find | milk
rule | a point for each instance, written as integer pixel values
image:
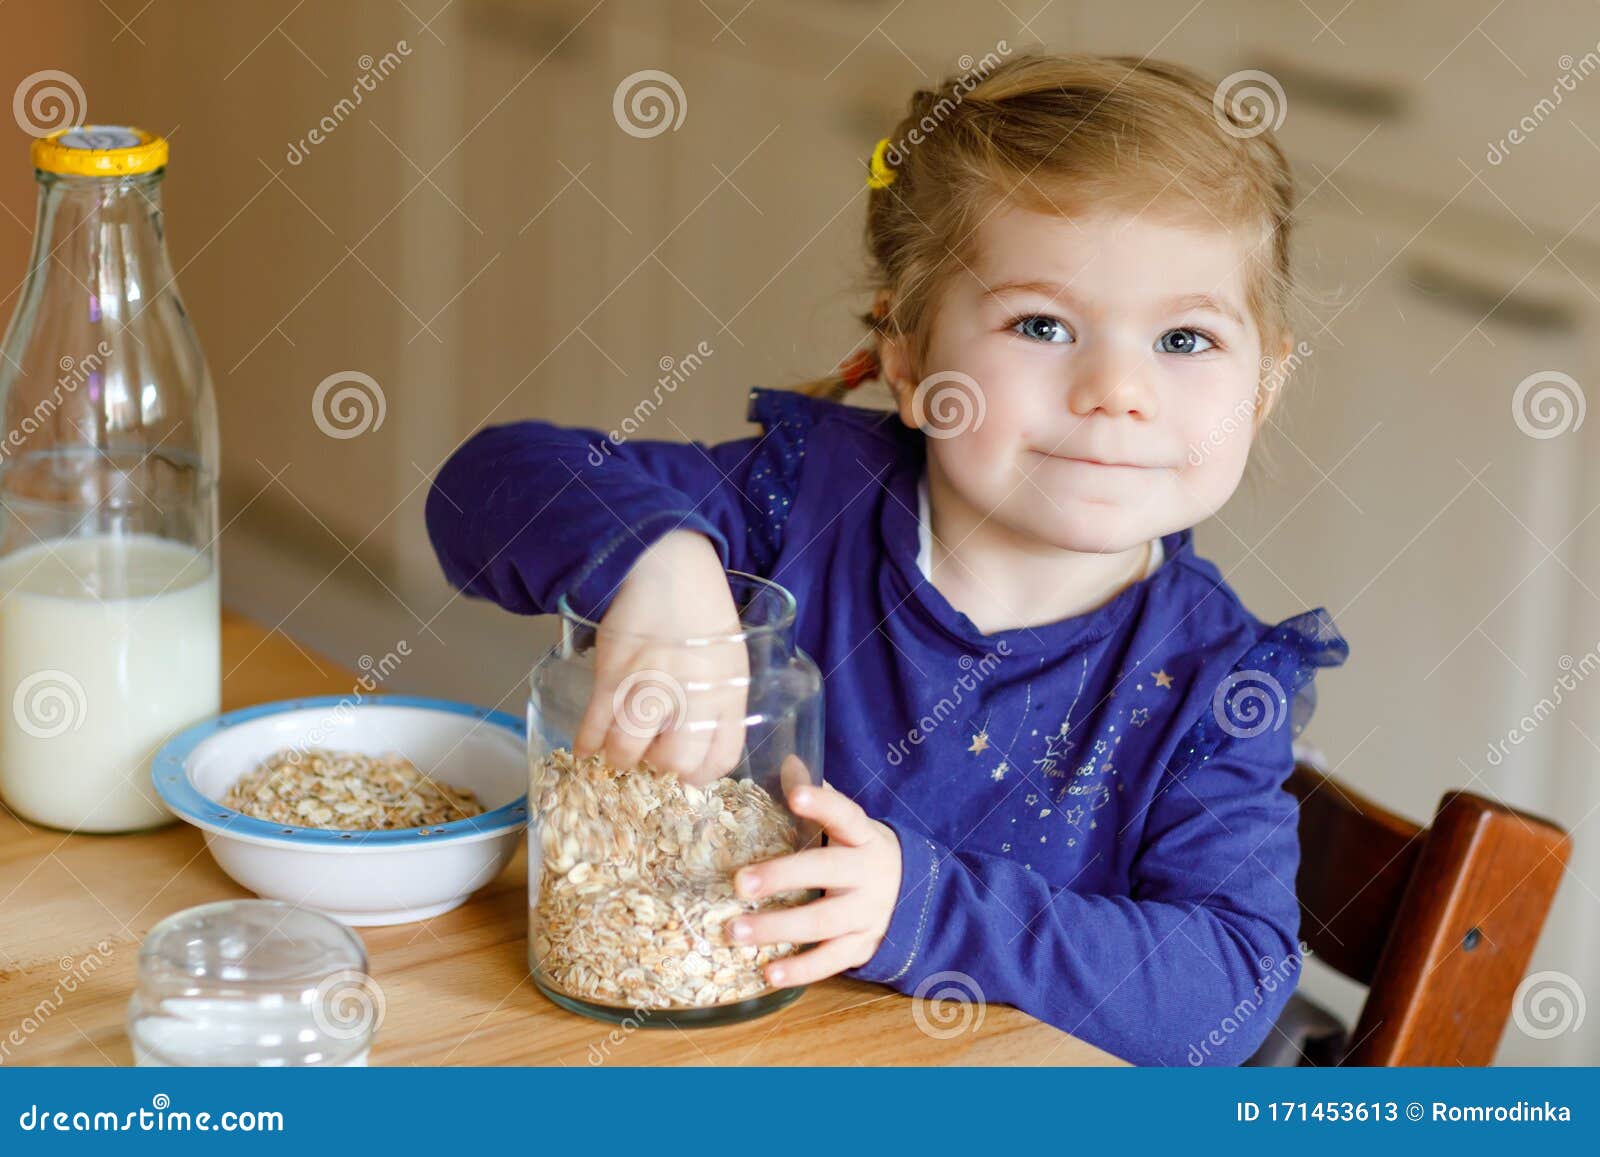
(109, 645)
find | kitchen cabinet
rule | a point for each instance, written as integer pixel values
(1473, 103)
(1451, 545)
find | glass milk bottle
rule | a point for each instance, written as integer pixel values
(109, 631)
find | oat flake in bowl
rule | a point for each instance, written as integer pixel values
(347, 791)
(360, 877)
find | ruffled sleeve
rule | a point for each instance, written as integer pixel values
(1271, 688)
(786, 418)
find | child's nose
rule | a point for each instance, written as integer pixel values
(1112, 381)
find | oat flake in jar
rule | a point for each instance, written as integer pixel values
(109, 630)
(630, 869)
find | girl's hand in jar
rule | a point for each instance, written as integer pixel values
(681, 708)
(859, 870)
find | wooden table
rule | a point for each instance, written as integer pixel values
(74, 908)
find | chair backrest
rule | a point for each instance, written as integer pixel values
(1438, 922)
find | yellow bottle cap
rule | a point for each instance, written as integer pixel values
(99, 151)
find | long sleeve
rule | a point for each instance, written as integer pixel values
(1178, 970)
(525, 512)
(1194, 961)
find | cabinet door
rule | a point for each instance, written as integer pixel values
(1473, 102)
(1436, 507)
(1409, 500)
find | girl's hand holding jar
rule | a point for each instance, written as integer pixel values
(679, 707)
(858, 872)
(682, 709)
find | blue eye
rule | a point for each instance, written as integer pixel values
(1184, 341)
(1039, 327)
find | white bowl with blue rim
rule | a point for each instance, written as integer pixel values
(359, 877)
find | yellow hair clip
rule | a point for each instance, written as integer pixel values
(881, 176)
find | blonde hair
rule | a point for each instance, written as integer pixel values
(1065, 134)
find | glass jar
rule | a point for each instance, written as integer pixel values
(109, 633)
(630, 869)
(253, 983)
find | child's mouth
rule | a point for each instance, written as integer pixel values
(1091, 462)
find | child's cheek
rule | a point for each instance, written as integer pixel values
(1217, 427)
(1013, 420)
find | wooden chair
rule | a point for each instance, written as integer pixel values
(1438, 922)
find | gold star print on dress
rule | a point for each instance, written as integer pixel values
(1055, 749)
(1059, 745)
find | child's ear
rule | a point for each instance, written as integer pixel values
(1273, 380)
(898, 373)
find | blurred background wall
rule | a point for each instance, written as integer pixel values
(481, 236)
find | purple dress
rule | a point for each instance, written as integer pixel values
(1091, 812)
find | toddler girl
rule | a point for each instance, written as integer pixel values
(1056, 741)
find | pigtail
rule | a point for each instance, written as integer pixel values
(861, 366)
